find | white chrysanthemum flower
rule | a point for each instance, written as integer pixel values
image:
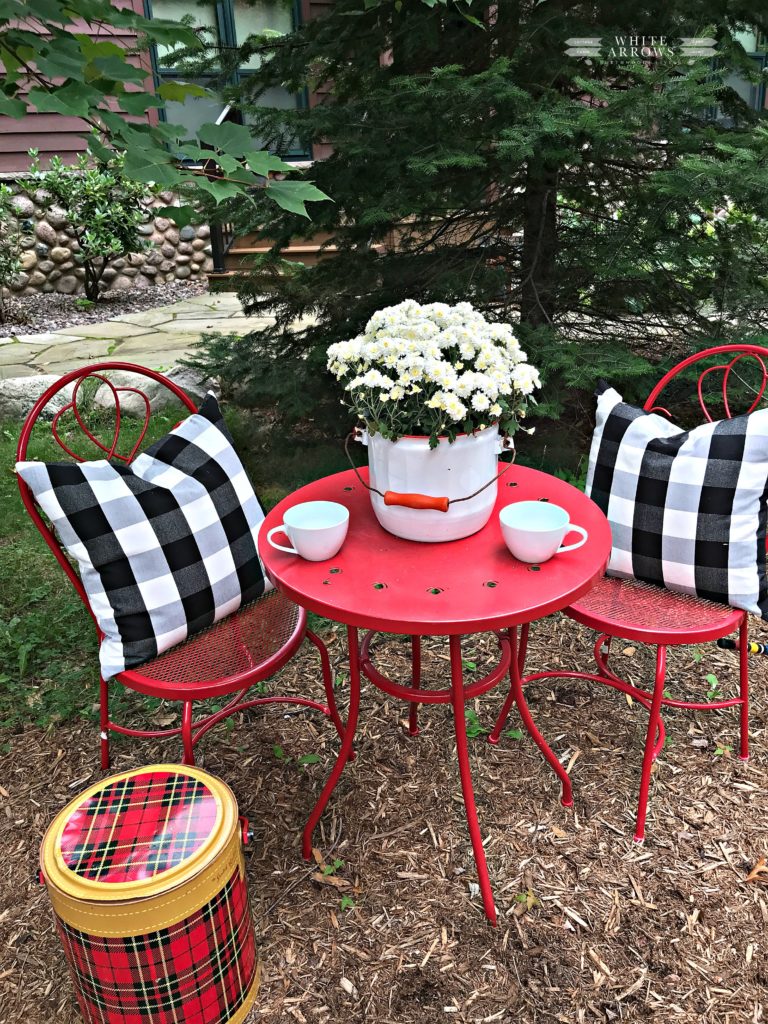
(451, 356)
(454, 408)
(525, 378)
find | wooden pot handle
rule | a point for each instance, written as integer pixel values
(415, 501)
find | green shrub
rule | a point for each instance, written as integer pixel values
(104, 207)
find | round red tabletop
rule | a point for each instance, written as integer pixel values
(379, 581)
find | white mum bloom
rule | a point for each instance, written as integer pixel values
(454, 408)
(480, 402)
(526, 378)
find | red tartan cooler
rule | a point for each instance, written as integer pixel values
(146, 875)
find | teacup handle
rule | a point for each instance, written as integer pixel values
(578, 544)
(281, 547)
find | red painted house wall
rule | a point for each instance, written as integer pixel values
(54, 133)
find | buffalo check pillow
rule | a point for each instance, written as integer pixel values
(687, 509)
(166, 545)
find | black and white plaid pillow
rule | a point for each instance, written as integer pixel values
(687, 509)
(167, 545)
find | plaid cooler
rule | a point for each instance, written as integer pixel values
(155, 855)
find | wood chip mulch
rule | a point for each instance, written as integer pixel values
(592, 928)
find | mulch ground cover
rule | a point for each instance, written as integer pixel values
(591, 926)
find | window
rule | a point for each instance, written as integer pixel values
(754, 94)
(228, 23)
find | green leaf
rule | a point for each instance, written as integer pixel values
(12, 107)
(218, 190)
(292, 195)
(514, 734)
(61, 59)
(263, 163)
(234, 139)
(180, 215)
(73, 100)
(347, 903)
(11, 9)
(179, 91)
(119, 69)
(138, 103)
(309, 759)
(151, 164)
(159, 30)
(93, 48)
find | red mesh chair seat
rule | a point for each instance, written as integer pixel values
(223, 657)
(644, 612)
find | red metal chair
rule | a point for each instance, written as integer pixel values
(652, 615)
(229, 657)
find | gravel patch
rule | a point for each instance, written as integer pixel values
(36, 313)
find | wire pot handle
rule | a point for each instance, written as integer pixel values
(418, 501)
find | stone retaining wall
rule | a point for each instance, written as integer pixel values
(48, 247)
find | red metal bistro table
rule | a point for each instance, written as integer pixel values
(378, 582)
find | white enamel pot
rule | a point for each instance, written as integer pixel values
(419, 484)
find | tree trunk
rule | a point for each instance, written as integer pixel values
(92, 278)
(537, 292)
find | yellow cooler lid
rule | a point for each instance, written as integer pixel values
(139, 833)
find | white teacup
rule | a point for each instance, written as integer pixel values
(534, 530)
(316, 529)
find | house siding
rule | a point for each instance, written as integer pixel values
(55, 134)
(311, 9)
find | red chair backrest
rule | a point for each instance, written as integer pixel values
(77, 377)
(730, 356)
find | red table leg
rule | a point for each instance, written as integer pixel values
(413, 713)
(460, 724)
(501, 721)
(517, 696)
(346, 742)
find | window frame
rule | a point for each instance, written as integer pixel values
(227, 32)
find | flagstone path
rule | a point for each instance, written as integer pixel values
(156, 338)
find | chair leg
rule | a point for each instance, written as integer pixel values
(104, 722)
(413, 712)
(649, 756)
(186, 733)
(744, 691)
